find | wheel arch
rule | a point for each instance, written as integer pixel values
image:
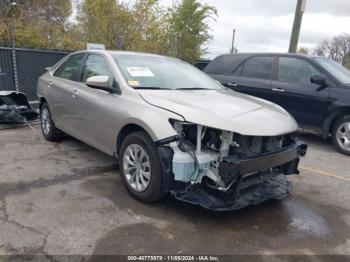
(42, 100)
(128, 129)
(332, 119)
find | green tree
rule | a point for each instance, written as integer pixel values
(187, 29)
(138, 25)
(146, 30)
(98, 19)
(122, 25)
(35, 23)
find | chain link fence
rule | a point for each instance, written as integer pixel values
(21, 68)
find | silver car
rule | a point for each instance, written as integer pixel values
(173, 128)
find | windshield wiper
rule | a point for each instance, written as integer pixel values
(194, 88)
(151, 88)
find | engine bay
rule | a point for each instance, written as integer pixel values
(220, 158)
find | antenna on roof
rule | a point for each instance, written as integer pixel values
(92, 46)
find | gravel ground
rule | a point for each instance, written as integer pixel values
(68, 198)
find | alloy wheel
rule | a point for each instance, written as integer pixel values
(45, 120)
(137, 167)
(343, 136)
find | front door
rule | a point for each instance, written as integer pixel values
(293, 90)
(94, 110)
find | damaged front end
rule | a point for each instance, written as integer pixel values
(14, 108)
(223, 170)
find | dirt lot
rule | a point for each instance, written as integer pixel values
(68, 198)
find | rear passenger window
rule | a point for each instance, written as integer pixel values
(295, 70)
(68, 70)
(220, 65)
(258, 67)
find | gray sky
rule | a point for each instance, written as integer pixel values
(265, 25)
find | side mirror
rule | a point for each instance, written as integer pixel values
(101, 83)
(320, 80)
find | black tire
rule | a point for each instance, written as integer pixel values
(154, 190)
(335, 129)
(52, 133)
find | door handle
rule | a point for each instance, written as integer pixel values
(49, 84)
(232, 84)
(278, 90)
(75, 93)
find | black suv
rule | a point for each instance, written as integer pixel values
(315, 90)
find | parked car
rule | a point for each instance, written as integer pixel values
(172, 127)
(201, 64)
(315, 90)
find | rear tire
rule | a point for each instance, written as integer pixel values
(140, 167)
(48, 128)
(341, 135)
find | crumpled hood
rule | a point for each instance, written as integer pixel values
(225, 110)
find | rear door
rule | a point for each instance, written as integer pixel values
(253, 77)
(293, 90)
(60, 88)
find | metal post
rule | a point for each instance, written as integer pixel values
(199, 138)
(13, 36)
(293, 45)
(14, 59)
(233, 41)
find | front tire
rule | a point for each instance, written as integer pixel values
(48, 128)
(140, 167)
(341, 135)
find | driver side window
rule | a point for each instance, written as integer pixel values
(96, 65)
(295, 70)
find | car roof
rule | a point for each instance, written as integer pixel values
(226, 63)
(266, 54)
(117, 52)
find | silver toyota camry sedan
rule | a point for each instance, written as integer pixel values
(172, 128)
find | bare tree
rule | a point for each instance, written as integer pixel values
(336, 48)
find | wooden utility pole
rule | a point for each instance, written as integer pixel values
(233, 41)
(293, 45)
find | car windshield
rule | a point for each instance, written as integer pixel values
(156, 72)
(337, 70)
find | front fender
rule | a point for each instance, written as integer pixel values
(157, 129)
(155, 122)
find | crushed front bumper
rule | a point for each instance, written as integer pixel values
(253, 180)
(286, 161)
